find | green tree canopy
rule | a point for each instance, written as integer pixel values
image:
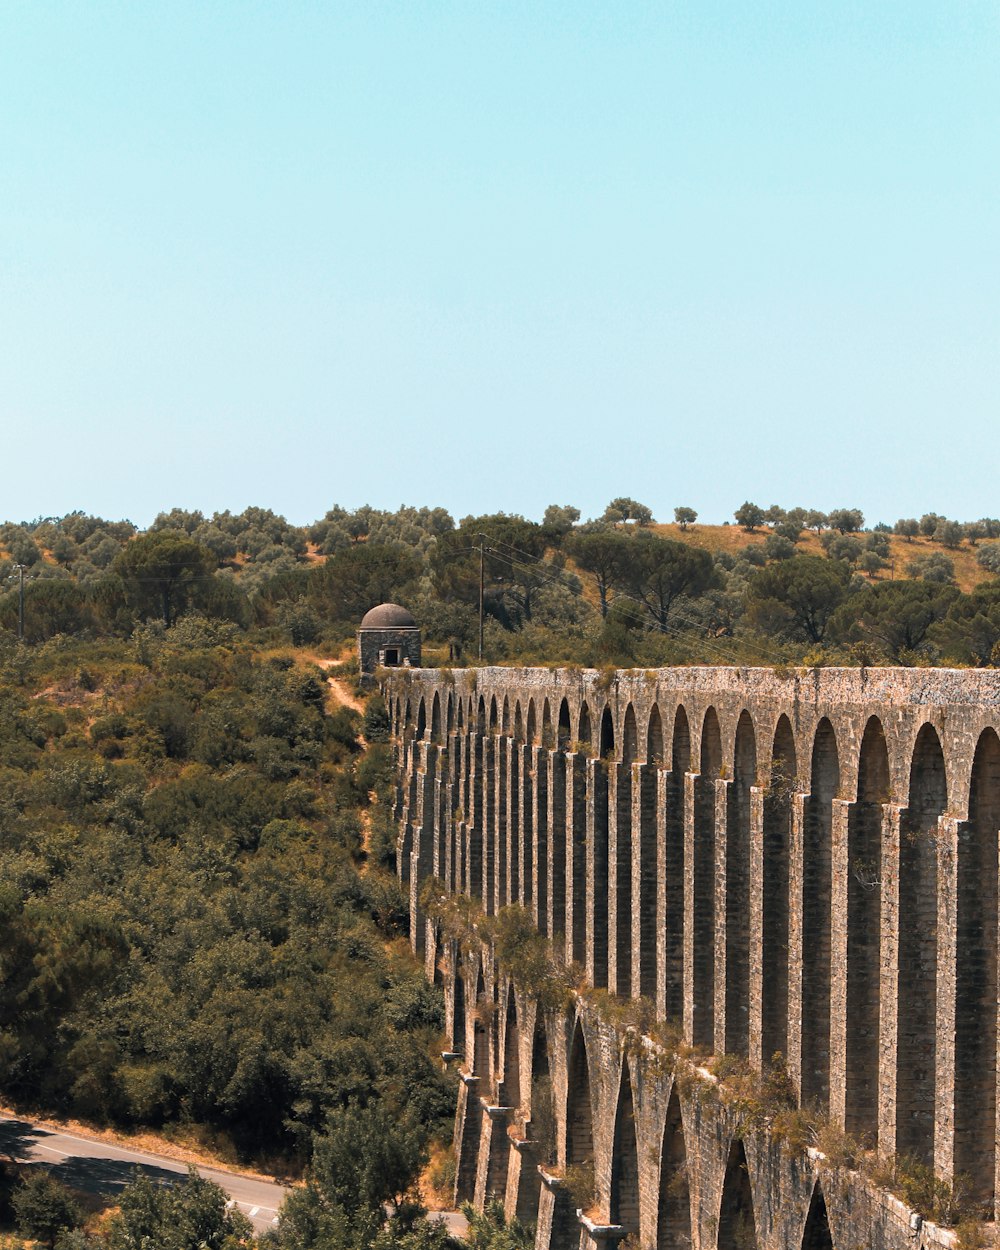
(796, 598)
(163, 572)
(894, 616)
(660, 571)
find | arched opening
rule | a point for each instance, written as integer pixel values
(481, 716)
(458, 1018)
(916, 1077)
(816, 1235)
(654, 738)
(817, 900)
(518, 724)
(449, 719)
(976, 976)
(774, 909)
(602, 884)
(482, 1048)
(607, 742)
(511, 1056)
(673, 1227)
(494, 718)
(864, 925)
(436, 718)
(579, 1112)
(460, 717)
(737, 1226)
(531, 724)
(543, 1111)
(624, 1208)
(630, 737)
(565, 733)
(407, 719)
(676, 798)
(703, 964)
(505, 719)
(421, 719)
(738, 890)
(622, 882)
(585, 732)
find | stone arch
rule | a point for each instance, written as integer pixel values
(579, 1108)
(421, 718)
(482, 1049)
(624, 1198)
(585, 732)
(654, 737)
(737, 1224)
(777, 825)
(518, 723)
(407, 717)
(630, 736)
(481, 716)
(565, 733)
(864, 925)
(542, 1103)
(606, 748)
(459, 1019)
(673, 1224)
(505, 716)
(436, 717)
(494, 718)
(737, 1040)
(602, 883)
(816, 1235)
(817, 898)
(511, 1055)
(703, 870)
(916, 1077)
(449, 718)
(460, 716)
(531, 724)
(674, 865)
(976, 976)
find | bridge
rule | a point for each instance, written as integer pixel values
(792, 863)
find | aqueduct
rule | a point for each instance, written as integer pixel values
(803, 862)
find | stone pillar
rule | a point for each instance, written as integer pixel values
(947, 956)
(889, 980)
(559, 921)
(722, 806)
(526, 825)
(468, 1131)
(647, 958)
(691, 1006)
(542, 875)
(494, 1149)
(598, 882)
(489, 824)
(620, 873)
(523, 1182)
(839, 869)
(576, 858)
(795, 877)
(756, 978)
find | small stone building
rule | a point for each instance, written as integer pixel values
(388, 637)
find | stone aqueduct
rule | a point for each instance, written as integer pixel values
(802, 862)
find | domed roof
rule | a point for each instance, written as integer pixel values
(388, 616)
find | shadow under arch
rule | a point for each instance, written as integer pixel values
(624, 1198)
(436, 717)
(817, 891)
(511, 1055)
(976, 976)
(421, 718)
(737, 1224)
(654, 737)
(674, 864)
(630, 736)
(459, 1018)
(737, 1041)
(673, 1223)
(565, 733)
(864, 926)
(579, 1109)
(916, 1072)
(816, 1234)
(777, 820)
(703, 872)
(584, 732)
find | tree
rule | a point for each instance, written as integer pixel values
(935, 567)
(513, 553)
(191, 1215)
(970, 630)
(846, 520)
(949, 534)
(907, 527)
(815, 520)
(625, 509)
(798, 597)
(163, 572)
(749, 515)
(362, 576)
(685, 517)
(775, 515)
(896, 616)
(660, 571)
(560, 520)
(604, 554)
(988, 557)
(929, 523)
(44, 1207)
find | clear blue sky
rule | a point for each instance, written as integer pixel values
(498, 255)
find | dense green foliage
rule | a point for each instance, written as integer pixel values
(185, 935)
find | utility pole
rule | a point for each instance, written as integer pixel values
(482, 570)
(19, 569)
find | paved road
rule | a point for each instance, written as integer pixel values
(102, 1168)
(99, 1167)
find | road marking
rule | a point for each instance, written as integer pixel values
(52, 1151)
(253, 1211)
